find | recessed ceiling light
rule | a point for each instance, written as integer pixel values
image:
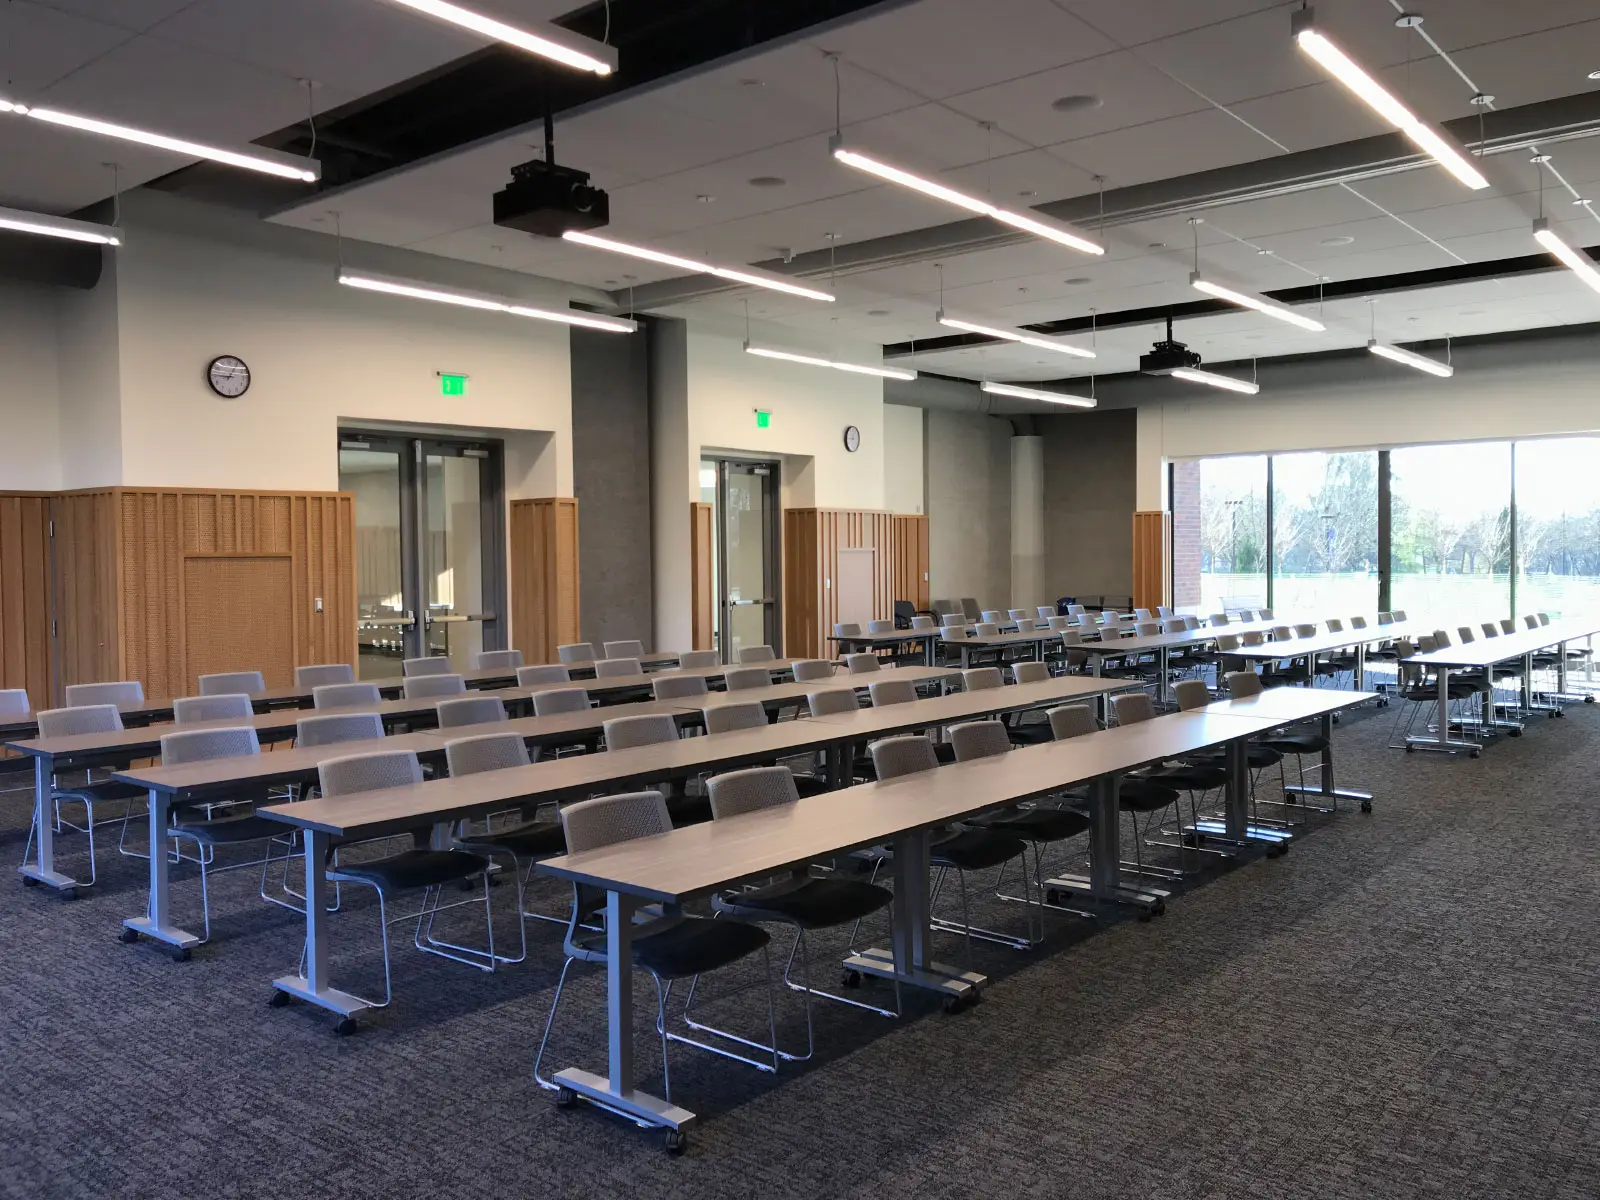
(1077, 103)
(877, 312)
(1076, 281)
(1156, 246)
(704, 199)
(766, 181)
(1342, 239)
(1471, 312)
(1594, 74)
(1027, 193)
(752, 83)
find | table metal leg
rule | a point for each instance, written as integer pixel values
(156, 923)
(615, 1091)
(1441, 739)
(1104, 883)
(43, 867)
(313, 987)
(1326, 788)
(1235, 828)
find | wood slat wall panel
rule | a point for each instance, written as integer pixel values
(25, 595)
(87, 569)
(911, 560)
(544, 576)
(812, 539)
(702, 548)
(1152, 558)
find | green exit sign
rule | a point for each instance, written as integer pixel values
(452, 385)
(763, 419)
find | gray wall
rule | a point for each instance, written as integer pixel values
(968, 483)
(1089, 492)
(611, 480)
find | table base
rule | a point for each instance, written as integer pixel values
(935, 977)
(331, 999)
(171, 935)
(640, 1107)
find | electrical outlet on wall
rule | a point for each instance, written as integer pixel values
(316, 605)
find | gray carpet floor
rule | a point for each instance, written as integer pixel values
(1403, 1006)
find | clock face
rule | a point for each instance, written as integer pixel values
(228, 376)
(852, 438)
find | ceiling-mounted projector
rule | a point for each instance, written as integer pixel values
(1167, 356)
(548, 200)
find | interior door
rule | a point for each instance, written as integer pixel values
(747, 512)
(372, 469)
(458, 618)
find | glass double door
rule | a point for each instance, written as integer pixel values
(744, 496)
(429, 548)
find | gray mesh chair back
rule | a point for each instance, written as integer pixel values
(1143, 614)
(756, 654)
(1441, 640)
(1386, 618)
(613, 668)
(949, 633)
(990, 616)
(1399, 614)
(724, 718)
(1427, 644)
(607, 820)
(1465, 633)
(835, 700)
(1071, 720)
(1026, 625)
(1030, 672)
(479, 709)
(1280, 632)
(623, 733)
(847, 629)
(921, 624)
(880, 627)
(892, 691)
(433, 664)
(1076, 610)
(1335, 625)
(196, 745)
(1191, 622)
(626, 648)
(368, 772)
(1242, 684)
(752, 790)
(543, 673)
(1217, 619)
(1072, 637)
(1305, 631)
(977, 679)
(1490, 629)
(741, 679)
(1254, 638)
(14, 702)
(423, 687)
(1191, 694)
(487, 752)
(896, 756)
(560, 700)
(1163, 611)
(1531, 621)
(1174, 625)
(1265, 614)
(576, 652)
(1045, 611)
(809, 670)
(84, 718)
(343, 695)
(987, 629)
(497, 660)
(969, 608)
(337, 727)
(1227, 642)
(322, 674)
(1060, 624)
(979, 739)
(946, 620)
(697, 660)
(1507, 625)
(190, 710)
(1016, 614)
(670, 687)
(1358, 622)
(859, 664)
(1133, 707)
(228, 683)
(1146, 628)
(129, 691)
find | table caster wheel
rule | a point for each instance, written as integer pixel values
(1514, 732)
(1476, 754)
(1052, 897)
(1145, 914)
(69, 894)
(1366, 806)
(1411, 749)
(128, 937)
(278, 1000)
(1588, 699)
(179, 953)
(852, 978)
(954, 1005)
(345, 1027)
(676, 1142)
(566, 1098)
(29, 881)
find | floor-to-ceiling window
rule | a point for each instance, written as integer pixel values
(1229, 557)
(1558, 526)
(1325, 533)
(1450, 545)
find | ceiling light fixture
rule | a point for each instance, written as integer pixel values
(1406, 358)
(268, 162)
(1245, 300)
(812, 360)
(423, 291)
(1211, 379)
(1580, 264)
(1383, 102)
(753, 276)
(1022, 393)
(59, 227)
(547, 41)
(1012, 335)
(1034, 223)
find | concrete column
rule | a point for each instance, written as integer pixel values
(1027, 522)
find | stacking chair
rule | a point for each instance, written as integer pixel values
(739, 679)
(1026, 624)
(1016, 614)
(672, 947)
(1024, 732)
(756, 654)
(1284, 741)
(811, 669)
(497, 660)
(877, 627)
(1186, 776)
(922, 624)
(191, 710)
(615, 668)
(1142, 614)
(92, 794)
(969, 609)
(1217, 620)
(410, 870)
(574, 652)
(479, 709)
(861, 664)
(625, 733)
(847, 629)
(833, 700)
(1076, 610)
(1045, 611)
(891, 691)
(231, 682)
(697, 660)
(1194, 694)
(977, 679)
(630, 648)
(321, 674)
(725, 718)
(337, 727)
(990, 616)
(425, 687)
(673, 687)
(127, 692)
(344, 695)
(952, 621)
(436, 664)
(987, 629)
(1060, 624)
(544, 673)
(560, 700)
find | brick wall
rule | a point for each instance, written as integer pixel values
(1185, 533)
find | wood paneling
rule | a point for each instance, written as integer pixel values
(1152, 559)
(25, 596)
(257, 593)
(86, 570)
(812, 539)
(910, 548)
(702, 549)
(544, 576)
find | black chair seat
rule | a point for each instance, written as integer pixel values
(415, 869)
(1143, 795)
(535, 839)
(1040, 824)
(1193, 777)
(976, 850)
(229, 831)
(1426, 694)
(677, 947)
(1035, 733)
(944, 753)
(1257, 757)
(103, 793)
(810, 785)
(689, 810)
(1296, 743)
(812, 903)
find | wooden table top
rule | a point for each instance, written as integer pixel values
(792, 692)
(1322, 642)
(218, 775)
(565, 726)
(1486, 652)
(1286, 704)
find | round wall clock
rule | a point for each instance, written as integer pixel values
(852, 438)
(228, 376)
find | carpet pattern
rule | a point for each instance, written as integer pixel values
(1403, 1006)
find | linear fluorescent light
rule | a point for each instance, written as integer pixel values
(814, 361)
(1022, 393)
(753, 276)
(59, 227)
(1034, 223)
(1245, 300)
(420, 291)
(1581, 264)
(1012, 335)
(268, 162)
(549, 41)
(1383, 102)
(1422, 363)
(1211, 379)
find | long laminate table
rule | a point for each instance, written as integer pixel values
(1321, 643)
